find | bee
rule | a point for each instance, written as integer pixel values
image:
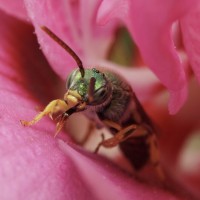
(107, 99)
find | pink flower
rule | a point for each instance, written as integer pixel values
(34, 165)
(150, 23)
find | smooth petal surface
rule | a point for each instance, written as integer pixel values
(150, 25)
(15, 8)
(107, 182)
(190, 26)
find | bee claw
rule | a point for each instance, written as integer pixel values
(24, 123)
(60, 124)
(27, 123)
(51, 116)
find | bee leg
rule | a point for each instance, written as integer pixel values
(119, 137)
(134, 131)
(52, 108)
(155, 156)
(112, 124)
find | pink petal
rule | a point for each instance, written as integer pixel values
(150, 25)
(15, 8)
(190, 27)
(74, 25)
(174, 132)
(109, 182)
(32, 165)
(35, 161)
(31, 161)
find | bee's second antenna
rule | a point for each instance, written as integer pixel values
(66, 47)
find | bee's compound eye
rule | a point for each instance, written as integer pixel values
(100, 95)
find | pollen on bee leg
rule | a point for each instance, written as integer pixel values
(53, 107)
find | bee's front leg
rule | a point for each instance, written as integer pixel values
(53, 107)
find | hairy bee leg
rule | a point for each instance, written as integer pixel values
(118, 137)
(137, 131)
(53, 107)
(112, 124)
(155, 156)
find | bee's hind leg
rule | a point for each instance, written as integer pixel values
(155, 156)
(134, 131)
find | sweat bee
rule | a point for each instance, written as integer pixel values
(107, 99)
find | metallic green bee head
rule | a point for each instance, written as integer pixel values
(93, 88)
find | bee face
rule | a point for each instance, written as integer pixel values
(101, 89)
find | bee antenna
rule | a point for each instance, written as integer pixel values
(66, 47)
(91, 89)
